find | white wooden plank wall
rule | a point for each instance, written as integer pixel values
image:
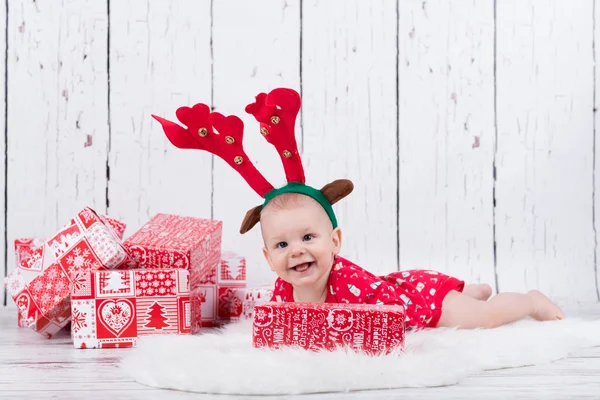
(437, 110)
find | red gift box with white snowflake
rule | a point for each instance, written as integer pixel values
(24, 248)
(40, 286)
(367, 328)
(172, 241)
(113, 308)
(222, 291)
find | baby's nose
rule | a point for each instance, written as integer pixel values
(297, 251)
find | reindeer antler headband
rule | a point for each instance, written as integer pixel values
(276, 113)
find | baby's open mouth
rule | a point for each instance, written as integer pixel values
(302, 267)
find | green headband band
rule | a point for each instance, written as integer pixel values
(297, 187)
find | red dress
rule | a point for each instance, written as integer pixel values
(421, 292)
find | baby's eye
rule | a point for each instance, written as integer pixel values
(282, 245)
(308, 237)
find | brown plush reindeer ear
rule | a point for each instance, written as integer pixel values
(252, 217)
(337, 190)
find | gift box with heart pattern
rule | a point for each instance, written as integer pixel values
(40, 285)
(112, 308)
(24, 248)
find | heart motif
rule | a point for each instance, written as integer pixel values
(116, 315)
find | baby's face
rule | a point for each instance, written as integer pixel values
(300, 243)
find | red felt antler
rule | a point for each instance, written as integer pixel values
(277, 113)
(226, 142)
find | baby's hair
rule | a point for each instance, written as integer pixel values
(285, 200)
(288, 200)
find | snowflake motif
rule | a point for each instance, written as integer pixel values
(51, 274)
(144, 284)
(38, 286)
(168, 282)
(161, 275)
(78, 320)
(150, 291)
(260, 314)
(230, 303)
(59, 286)
(162, 290)
(340, 319)
(156, 284)
(78, 260)
(45, 299)
(15, 286)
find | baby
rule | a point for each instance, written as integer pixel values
(302, 240)
(302, 247)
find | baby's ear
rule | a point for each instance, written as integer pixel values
(336, 238)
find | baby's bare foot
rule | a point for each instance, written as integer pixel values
(544, 308)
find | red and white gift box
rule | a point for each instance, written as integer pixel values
(40, 285)
(222, 291)
(171, 241)
(368, 328)
(113, 308)
(254, 297)
(24, 248)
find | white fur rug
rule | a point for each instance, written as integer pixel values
(225, 362)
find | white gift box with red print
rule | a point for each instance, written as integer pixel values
(112, 308)
(40, 286)
(171, 241)
(222, 291)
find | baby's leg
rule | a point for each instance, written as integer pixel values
(464, 312)
(479, 291)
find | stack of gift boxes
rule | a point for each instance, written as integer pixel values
(169, 277)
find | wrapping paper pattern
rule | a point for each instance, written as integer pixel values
(222, 290)
(40, 286)
(171, 241)
(372, 329)
(24, 248)
(254, 297)
(113, 308)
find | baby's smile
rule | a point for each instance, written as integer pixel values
(303, 267)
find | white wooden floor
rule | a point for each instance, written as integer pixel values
(32, 367)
